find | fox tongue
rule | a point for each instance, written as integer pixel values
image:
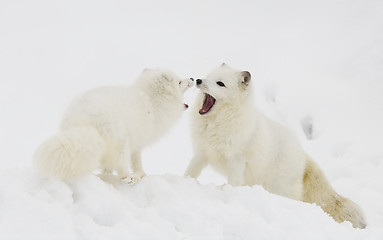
(207, 104)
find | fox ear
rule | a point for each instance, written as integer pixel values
(165, 76)
(246, 76)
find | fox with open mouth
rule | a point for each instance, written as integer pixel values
(247, 147)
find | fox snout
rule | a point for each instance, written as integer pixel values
(198, 81)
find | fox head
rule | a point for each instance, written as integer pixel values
(164, 86)
(224, 86)
(163, 80)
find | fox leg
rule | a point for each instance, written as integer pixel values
(196, 165)
(136, 162)
(236, 171)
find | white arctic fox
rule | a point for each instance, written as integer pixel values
(236, 139)
(106, 128)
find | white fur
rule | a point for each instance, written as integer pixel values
(106, 128)
(246, 146)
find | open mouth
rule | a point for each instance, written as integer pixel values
(207, 104)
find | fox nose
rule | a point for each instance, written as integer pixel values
(198, 81)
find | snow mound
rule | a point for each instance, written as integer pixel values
(158, 207)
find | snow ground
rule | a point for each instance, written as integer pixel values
(317, 68)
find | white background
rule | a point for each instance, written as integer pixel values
(311, 61)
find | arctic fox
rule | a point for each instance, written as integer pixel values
(106, 128)
(236, 139)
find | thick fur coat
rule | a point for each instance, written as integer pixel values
(240, 142)
(107, 128)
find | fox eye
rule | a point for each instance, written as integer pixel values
(221, 84)
(179, 83)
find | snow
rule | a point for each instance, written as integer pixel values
(317, 68)
(158, 207)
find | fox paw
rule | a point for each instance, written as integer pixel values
(133, 178)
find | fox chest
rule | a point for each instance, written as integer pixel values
(221, 137)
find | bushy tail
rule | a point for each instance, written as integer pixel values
(317, 189)
(70, 153)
